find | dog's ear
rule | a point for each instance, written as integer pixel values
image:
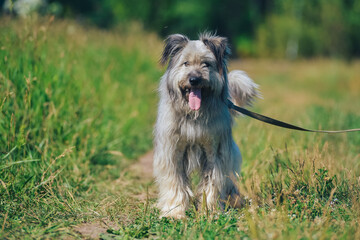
(219, 46)
(173, 45)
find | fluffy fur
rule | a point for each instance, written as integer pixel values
(186, 139)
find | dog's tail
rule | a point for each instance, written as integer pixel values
(243, 90)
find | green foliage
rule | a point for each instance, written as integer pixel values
(276, 29)
(312, 28)
(244, 47)
(276, 36)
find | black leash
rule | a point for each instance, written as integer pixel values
(280, 123)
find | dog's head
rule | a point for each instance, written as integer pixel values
(197, 69)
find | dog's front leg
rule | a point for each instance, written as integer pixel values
(218, 172)
(212, 177)
(173, 183)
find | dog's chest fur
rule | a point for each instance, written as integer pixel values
(203, 129)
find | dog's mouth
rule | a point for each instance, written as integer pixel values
(193, 97)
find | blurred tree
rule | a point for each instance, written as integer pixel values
(327, 28)
(352, 31)
(264, 28)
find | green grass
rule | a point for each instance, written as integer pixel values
(77, 106)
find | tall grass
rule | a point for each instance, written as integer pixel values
(76, 105)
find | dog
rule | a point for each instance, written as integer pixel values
(193, 130)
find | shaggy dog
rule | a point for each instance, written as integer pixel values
(193, 127)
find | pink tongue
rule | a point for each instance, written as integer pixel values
(195, 98)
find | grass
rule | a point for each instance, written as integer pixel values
(77, 108)
(77, 105)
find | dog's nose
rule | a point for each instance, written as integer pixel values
(194, 81)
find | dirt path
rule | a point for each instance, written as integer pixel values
(93, 230)
(142, 168)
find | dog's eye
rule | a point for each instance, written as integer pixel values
(186, 64)
(205, 64)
